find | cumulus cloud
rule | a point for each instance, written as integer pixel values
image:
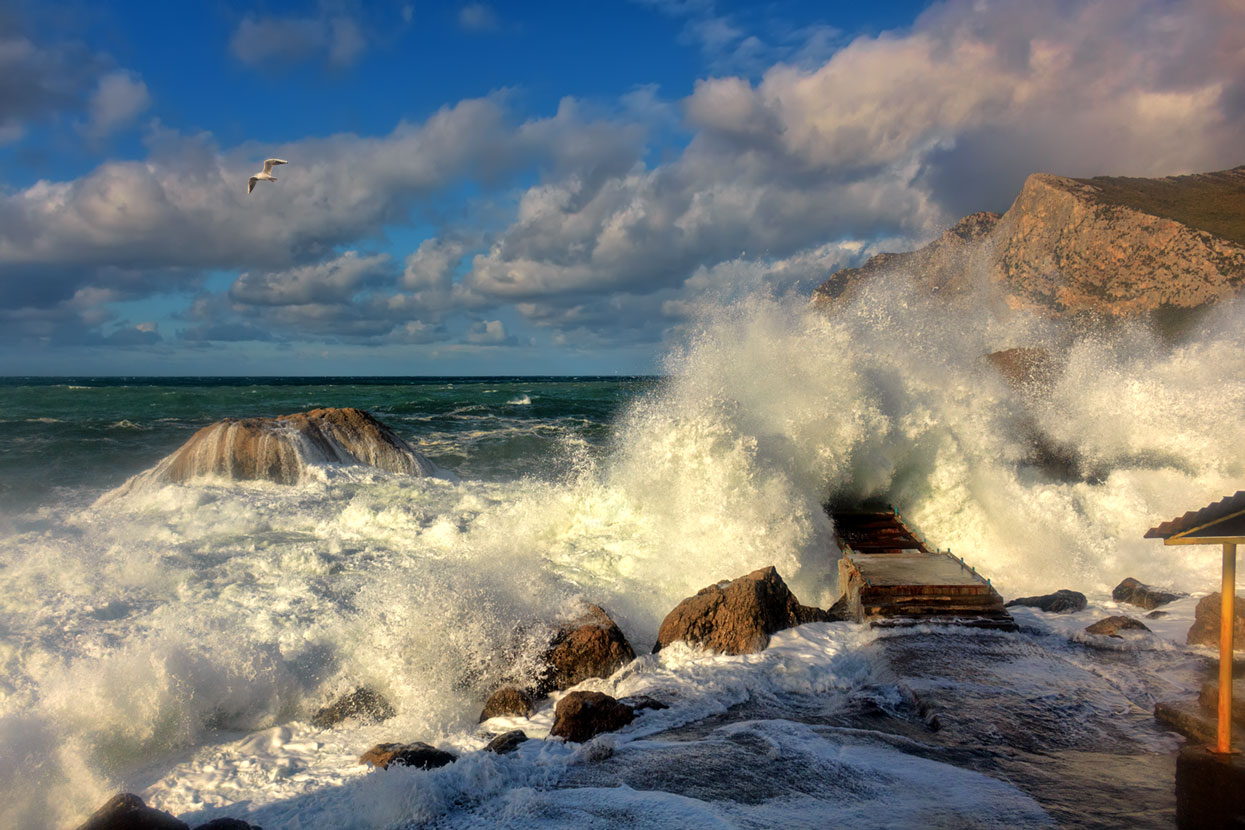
(118, 99)
(333, 36)
(336, 280)
(488, 332)
(40, 81)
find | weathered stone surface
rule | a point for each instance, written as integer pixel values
(1112, 626)
(1110, 247)
(126, 811)
(506, 742)
(1206, 617)
(1187, 718)
(1062, 601)
(591, 646)
(1208, 699)
(277, 449)
(363, 703)
(1143, 596)
(737, 617)
(1210, 789)
(418, 754)
(581, 715)
(508, 701)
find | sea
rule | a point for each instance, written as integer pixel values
(174, 641)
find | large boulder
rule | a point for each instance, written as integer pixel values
(126, 811)
(279, 449)
(1112, 626)
(737, 617)
(363, 703)
(508, 701)
(590, 646)
(581, 715)
(417, 754)
(1206, 617)
(1062, 601)
(1143, 596)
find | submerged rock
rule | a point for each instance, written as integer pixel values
(1112, 626)
(581, 715)
(126, 811)
(279, 449)
(1143, 596)
(737, 617)
(1205, 628)
(507, 701)
(362, 703)
(418, 754)
(591, 646)
(506, 742)
(1062, 601)
(639, 703)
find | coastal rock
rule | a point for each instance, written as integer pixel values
(639, 703)
(508, 701)
(737, 617)
(591, 646)
(581, 715)
(418, 754)
(126, 811)
(1062, 601)
(1143, 596)
(1112, 626)
(362, 703)
(279, 449)
(1208, 699)
(506, 742)
(1105, 247)
(1155, 615)
(227, 824)
(1206, 617)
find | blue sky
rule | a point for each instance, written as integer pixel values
(480, 188)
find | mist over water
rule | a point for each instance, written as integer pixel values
(146, 629)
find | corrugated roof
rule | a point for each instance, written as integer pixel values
(1221, 509)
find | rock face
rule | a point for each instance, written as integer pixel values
(279, 449)
(737, 617)
(1205, 628)
(508, 701)
(506, 742)
(1112, 626)
(362, 703)
(1143, 596)
(1062, 601)
(1114, 247)
(581, 715)
(126, 811)
(418, 754)
(591, 646)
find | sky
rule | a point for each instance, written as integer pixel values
(537, 188)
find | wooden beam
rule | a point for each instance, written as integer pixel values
(1205, 540)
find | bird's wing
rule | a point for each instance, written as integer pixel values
(270, 162)
(250, 185)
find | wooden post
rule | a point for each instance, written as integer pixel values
(1226, 625)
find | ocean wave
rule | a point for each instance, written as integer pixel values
(522, 400)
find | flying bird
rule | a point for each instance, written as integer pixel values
(265, 176)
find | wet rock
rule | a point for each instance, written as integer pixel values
(641, 702)
(362, 703)
(508, 701)
(1062, 601)
(418, 754)
(591, 646)
(737, 617)
(1156, 615)
(126, 811)
(1112, 626)
(227, 824)
(1205, 628)
(506, 742)
(1208, 699)
(581, 715)
(1137, 593)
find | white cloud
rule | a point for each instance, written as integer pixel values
(478, 17)
(335, 37)
(118, 99)
(336, 280)
(487, 332)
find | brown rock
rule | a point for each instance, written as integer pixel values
(1062, 601)
(362, 703)
(581, 715)
(737, 617)
(508, 701)
(418, 754)
(126, 811)
(1143, 596)
(1112, 626)
(1206, 617)
(506, 742)
(591, 646)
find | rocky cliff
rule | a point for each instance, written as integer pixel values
(1114, 247)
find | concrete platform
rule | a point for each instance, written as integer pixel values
(1210, 790)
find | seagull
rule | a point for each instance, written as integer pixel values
(265, 176)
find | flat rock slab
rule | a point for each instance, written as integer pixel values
(886, 570)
